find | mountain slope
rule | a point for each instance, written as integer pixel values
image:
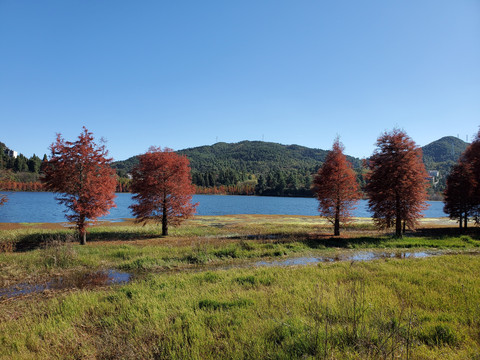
(447, 149)
(255, 157)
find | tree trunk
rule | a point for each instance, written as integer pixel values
(404, 226)
(82, 230)
(164, 222)
(460, 223)
(336, 226)
(465, 219)
(398, 220)
(336, 229)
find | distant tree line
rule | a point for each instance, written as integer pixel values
(20, 163)
(20, 173)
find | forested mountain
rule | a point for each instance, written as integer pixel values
(441, 155)
(248, 156)
(274, 169)
(446, 149)
(263, 168)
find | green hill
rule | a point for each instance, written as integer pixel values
(285, 169)
(445, 150)
(254, 157)
(441, 155)
(279, 169)
(274, 169)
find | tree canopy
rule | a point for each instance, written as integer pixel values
(336, 187)
(459, 195)
(462, 194)
(396, 181)
(163, 188)
(81, 174)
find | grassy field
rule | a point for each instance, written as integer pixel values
(195, 294)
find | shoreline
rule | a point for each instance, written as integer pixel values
(423, 222)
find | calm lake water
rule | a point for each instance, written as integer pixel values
(42, 207)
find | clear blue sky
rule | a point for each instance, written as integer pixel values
(186, 73)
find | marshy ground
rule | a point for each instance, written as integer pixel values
(243, 286)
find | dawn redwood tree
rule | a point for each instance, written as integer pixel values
(163, 186)
(459, 194)
(336, 188)
(396, 182)
(471, 156)
(81, 174)
(462, 194)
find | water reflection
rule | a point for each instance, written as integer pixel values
(358, 256)
(77, 281)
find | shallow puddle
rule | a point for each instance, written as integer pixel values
(356, 256)
(77, 281)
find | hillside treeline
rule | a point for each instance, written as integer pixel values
(244, 168)
(20, 173)
(251, 167)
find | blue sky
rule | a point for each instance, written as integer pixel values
(190, 73)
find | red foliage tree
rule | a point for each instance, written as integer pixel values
(396, 182)
(163, 186)
(336, 187)
(459, 195)
(462, 194)
(80, 172)
(472, 156)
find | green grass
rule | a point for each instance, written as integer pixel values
(341, 310)
(191, 297)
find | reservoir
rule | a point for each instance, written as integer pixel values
(42, 207)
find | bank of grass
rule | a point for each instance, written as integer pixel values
(414, 308)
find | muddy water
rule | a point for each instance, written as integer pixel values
(77, 281)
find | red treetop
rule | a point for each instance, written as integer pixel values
(163, 187)
(80, 171)
(336, 187)
(396, 183)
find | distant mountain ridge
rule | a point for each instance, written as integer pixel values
(260, 156)
(446, 149)
(255, 157)
(271, 168)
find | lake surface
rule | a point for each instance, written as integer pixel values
(42, 207)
